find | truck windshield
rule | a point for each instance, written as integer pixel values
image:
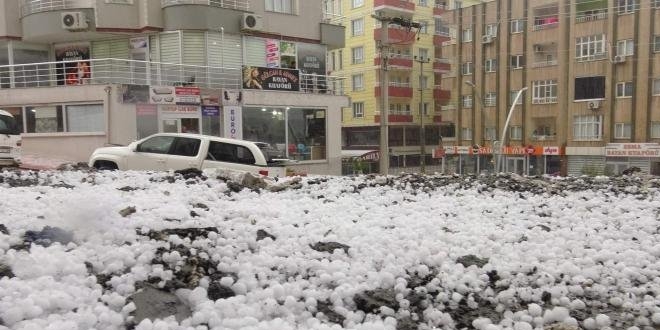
(8, 125)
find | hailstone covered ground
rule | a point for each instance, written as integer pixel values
(82, 249)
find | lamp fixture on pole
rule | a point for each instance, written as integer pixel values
(506, 126)
(422, 133)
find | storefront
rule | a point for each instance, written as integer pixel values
(622, 156)
(529, 160)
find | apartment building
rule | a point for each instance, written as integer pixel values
(413, 62)
(79, 74)
(589, 72)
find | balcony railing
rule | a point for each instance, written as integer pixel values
(120, 71)
(544, 64)
(231, 4)
(36, 6)
(592, 57)
(544, 100)
(590, 16)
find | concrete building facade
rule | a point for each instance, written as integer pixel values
(591, 74)
(79, 74)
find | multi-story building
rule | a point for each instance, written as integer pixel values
(410, 57)
(79, 74)
(590, 75)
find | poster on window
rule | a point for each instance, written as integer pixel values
(233, 123)
(139, 45)
(288, 55)
(271, 79)
(272, 53)
(74, 67)
(174, 95)
(311, 59)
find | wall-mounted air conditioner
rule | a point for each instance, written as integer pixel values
(593, 105)
(486, 39)
(74, 20)
(252, 22)
(619, 59)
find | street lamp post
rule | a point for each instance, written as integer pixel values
(506, 126)
(422, 133)
(483, 109)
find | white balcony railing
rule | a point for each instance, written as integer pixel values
(545, 26)
(544, 64)
(592, 57)
(120, 71)
(588, 17)
(544, 100)
(36, 6)
(231, 4)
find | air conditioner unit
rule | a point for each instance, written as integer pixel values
(593, 105)
(538, 48)
(486, 39)
(252, 22)
(619, 59)
(74, 20)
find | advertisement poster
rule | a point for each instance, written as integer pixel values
(175, 95)
(233, 122)
(288, 55)
(311, 59)
(180, 109)
(210, 111)
(271, 79)
(272, 53)
(76, 70)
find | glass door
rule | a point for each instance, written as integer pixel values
(181, 125)
(515, 165)
(170, 126)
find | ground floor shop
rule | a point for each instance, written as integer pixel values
(70, 122)
(614, 159)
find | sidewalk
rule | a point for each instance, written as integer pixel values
(34, 162)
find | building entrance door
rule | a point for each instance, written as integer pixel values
(180, 125)
(515, 165)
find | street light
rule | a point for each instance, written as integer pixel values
(422, 134)
(506, 126)
(482, 112)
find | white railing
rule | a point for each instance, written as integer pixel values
(593, 57)
(396, 84)
(120, 71)
(544, 100)
(588, 17)
(544, 64)
(545, 26)
(448, 107)
(231, 4)
(36, 6)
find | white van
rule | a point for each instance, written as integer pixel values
(10, 140)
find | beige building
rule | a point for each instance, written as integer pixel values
(591, 74)
(79, 74)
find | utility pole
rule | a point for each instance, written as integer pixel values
(422, 133)
(383, 47)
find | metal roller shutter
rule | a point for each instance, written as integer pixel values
(255, 51)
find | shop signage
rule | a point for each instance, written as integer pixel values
(174, 95)
(146, 109)
(76, 70)
(272, 53)
(311, 58)
(646, 150)
(233, 124)
(507, 150)
(139, 45)
(551, 151)
(180, 109)
(373, 156)
(271, 79)
(439, 152)
(210, 110)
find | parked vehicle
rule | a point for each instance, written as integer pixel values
(177, 151)
(10, 140)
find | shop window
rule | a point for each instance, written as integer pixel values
(44, 119)
(85, 118)
(447, 131)
(17, 123)
(69, 118)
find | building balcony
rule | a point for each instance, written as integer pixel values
(396, 61)
(441, 65)
(37, 6)
(117, 71)
(439, 9)
(394, 6)
(395, 118)
(589, 16)
(437, 118)
(396, 35)
(440, 38)
(441, 96)
(396, 90)
(243, 5)
(545, 100)
(544, 64)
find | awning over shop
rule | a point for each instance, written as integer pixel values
(368, 155)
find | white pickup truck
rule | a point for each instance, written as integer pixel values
(10, 140)
(176, 151)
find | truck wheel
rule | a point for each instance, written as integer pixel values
(105, 166)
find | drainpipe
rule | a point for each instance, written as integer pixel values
(108, 107)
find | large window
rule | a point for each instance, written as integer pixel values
(491, 30)
(357, 55)
(590, 48)
(512, 97)
(295, 132)
(357, 3)
(656, 44)
(357, 27)
(85, 118)
(624, 89)
(490, 134)
(544, 91)
(627, 6)
(281, 6)
(44, 119)
(587, 128)
(622, 130)
(587, 88)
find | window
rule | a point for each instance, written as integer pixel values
(231, 153)
(517, 61)
(424, 27)
(358, 82)
(357, 55)
(655, 130)
(423, 53)
(357, 3)
(425, 108)
(185, 147)
(280, 6)
(340, 59)
(516, 133)
(590, 48)
(491, 99)
(544, 91)
(423, 82)
(466, 68)
(458, 4)
(44, 119)
(467, 101)
(625, 47)
(85, 118)
(656, 86)
(627, 6)
(467, 35)
(466, 133)
(655, 4)
(357, 27)
(490, 65)
(517, 26)
(156, 145)
(358, 110)
(70, 118)
(587, 128)
(422, 3)
(588, 88)
(491, 30)
(622, 130)
(656, 43)
(490, 134)
(624, 89)
(512, 96)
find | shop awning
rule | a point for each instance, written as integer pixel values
(372, 155)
